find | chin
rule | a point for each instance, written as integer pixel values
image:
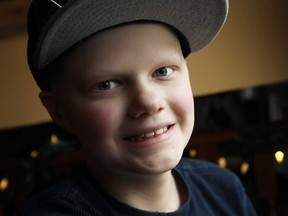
(160, 165)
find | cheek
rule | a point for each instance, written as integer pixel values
(183, 104)
(94, 124)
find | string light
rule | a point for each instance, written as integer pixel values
(54, 139)
(244, 168)
(192, 153)
(279, 156)
(34, 154)
(4, 184)
(222, 162)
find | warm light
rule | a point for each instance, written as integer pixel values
(192, 153)
(244, 168)
(4, 184)
(34, 154)
(222, 162)
(54, 139)
(279, 156)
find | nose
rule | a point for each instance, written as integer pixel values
(145, 101)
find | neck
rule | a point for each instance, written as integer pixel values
(161, 192)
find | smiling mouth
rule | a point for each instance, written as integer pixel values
(149, 135)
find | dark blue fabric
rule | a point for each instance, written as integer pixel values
(211, 191)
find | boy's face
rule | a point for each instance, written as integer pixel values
(125, 93)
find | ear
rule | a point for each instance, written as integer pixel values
(55, 110)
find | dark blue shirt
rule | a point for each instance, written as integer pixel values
(211, 191)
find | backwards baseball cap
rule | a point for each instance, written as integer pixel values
(55, 26)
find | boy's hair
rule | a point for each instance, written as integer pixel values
(55, 26)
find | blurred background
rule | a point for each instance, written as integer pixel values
(240, 83)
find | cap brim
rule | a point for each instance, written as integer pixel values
(198, 20)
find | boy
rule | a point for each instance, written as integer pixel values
(113, 73)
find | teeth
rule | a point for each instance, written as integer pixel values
(149, 135)
(160, 131)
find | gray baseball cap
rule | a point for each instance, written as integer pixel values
(54, 26)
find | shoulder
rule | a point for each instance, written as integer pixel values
(67, 188)
(221, 189)
(201, 169)
(206, 174)
(71, 195)
(210, 179)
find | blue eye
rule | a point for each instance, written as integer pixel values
(107, 85)
(164, 71)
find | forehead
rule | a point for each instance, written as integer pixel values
(122, 48)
